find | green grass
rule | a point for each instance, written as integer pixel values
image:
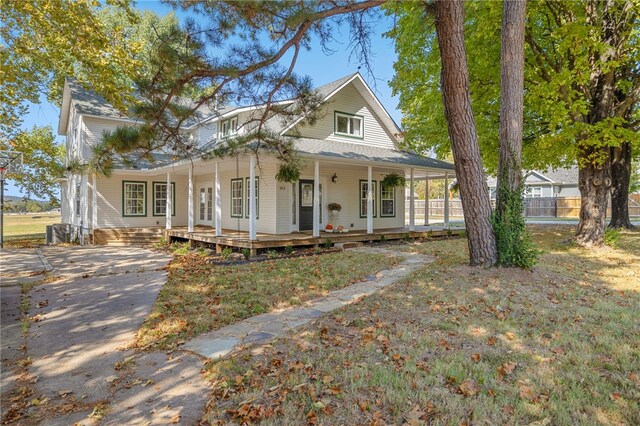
(27, 230)
(200, 296)
(452, 344)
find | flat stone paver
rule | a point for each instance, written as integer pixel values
(265, 327)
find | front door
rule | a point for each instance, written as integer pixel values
(205, 205)
(306, 205)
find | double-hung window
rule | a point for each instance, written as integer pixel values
(160, 198)
(134, 195)
(237, 197)
(229, 127)
(387, 201)
(364, 189)
(349, 125)
(257, 185)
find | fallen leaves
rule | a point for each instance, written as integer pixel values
(469, 387)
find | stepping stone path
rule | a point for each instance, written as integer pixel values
(266, 327)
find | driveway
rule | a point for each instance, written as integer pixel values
(77, 344)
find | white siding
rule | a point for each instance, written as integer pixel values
(92, 131)
(207, 132)
(110, 202)
(349, 101)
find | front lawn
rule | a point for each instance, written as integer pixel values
(451, 344)
(200, 296)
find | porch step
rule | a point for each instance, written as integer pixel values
(348, 245)
(128, 236)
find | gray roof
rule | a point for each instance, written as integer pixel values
(353, 151)
(566, 176)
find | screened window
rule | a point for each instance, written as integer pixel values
(133, 198)
(387, 201)
(364, 188)
(237, 195)
(257, 184)
(349, 125)
(160, 198)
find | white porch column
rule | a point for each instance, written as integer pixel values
(252, 197)
(412, 204)
(94, 203)
(190, 211)
(169, 203)
(446, 200)
(316, 199)
(218, 223)
(369, 200)
(426, 201)
(84, 229)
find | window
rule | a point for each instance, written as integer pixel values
(387, 201)
(363, 197)
(257, 198)
(237, 195)
(349, 125)
(534, 191)
(134, 196)
(203, 203)
(229, 127)
(78, 198)
(210, 203)
(160, 198)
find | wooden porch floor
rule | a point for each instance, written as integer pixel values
(240, 239)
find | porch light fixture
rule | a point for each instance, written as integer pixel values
(334, 178)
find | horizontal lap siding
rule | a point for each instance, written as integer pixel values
(110, 202)
(92, 131)
(348, 100)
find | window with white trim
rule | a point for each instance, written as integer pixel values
(229, 127)
(257, 185)
(237, 197)
(534, 191)
(134, 195)
(364, 186)
(387, 201)
(349, 125)
(160, 198)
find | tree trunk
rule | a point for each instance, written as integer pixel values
(461, 124)
(594, 181)
(511, 99)
(620, 178)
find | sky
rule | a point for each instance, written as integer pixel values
(315, 63)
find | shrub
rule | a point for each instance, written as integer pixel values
(406, 238)
(246, 253)
(328, 243)
(514, 244)
(272, 254)
(611, 237)
(180, 248)
(383, 238)
(288, 249)
(226, 253)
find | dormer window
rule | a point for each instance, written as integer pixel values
(349, 125)
(229, 127)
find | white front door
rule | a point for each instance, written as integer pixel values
(204, 214)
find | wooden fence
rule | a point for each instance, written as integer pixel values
(562, 207)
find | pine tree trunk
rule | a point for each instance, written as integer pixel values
(620, 178)
(461, 124)
(594, 182)
(511, 99)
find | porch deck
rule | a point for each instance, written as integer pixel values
(240, 239)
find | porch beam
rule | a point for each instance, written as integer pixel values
(426, 201)
(218, 218)
(446, 200)
(316, 199)
(412, 203)
(168, 203)
(369, 200)
(252, 198)
(190, 211)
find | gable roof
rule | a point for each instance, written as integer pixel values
(561, 175)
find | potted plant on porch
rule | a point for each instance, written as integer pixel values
(334, 211)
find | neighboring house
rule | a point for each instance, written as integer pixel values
(552, 183)
(347, 151)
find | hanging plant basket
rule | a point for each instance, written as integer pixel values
(334, 207)
(393, 180)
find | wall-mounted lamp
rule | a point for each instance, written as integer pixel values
(334, 178)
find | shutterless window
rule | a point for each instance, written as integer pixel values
(257, 185)
(349, 125)
(229, 127)
(134, 194)
(236, 197)
(387, 201)
(364, 187)
(210, 203)
(203, 203)
(160, 199)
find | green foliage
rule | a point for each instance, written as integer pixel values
(226, 253)
(383, 238)
(288, 249)
(611, 237)
(43, 162)
(288, 173)
(272, 254)
(393, 180)
(515, 247)
(406, 237)
(246, 253)
(179, 248)
(328, 243)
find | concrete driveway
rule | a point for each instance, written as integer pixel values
(77, 344)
